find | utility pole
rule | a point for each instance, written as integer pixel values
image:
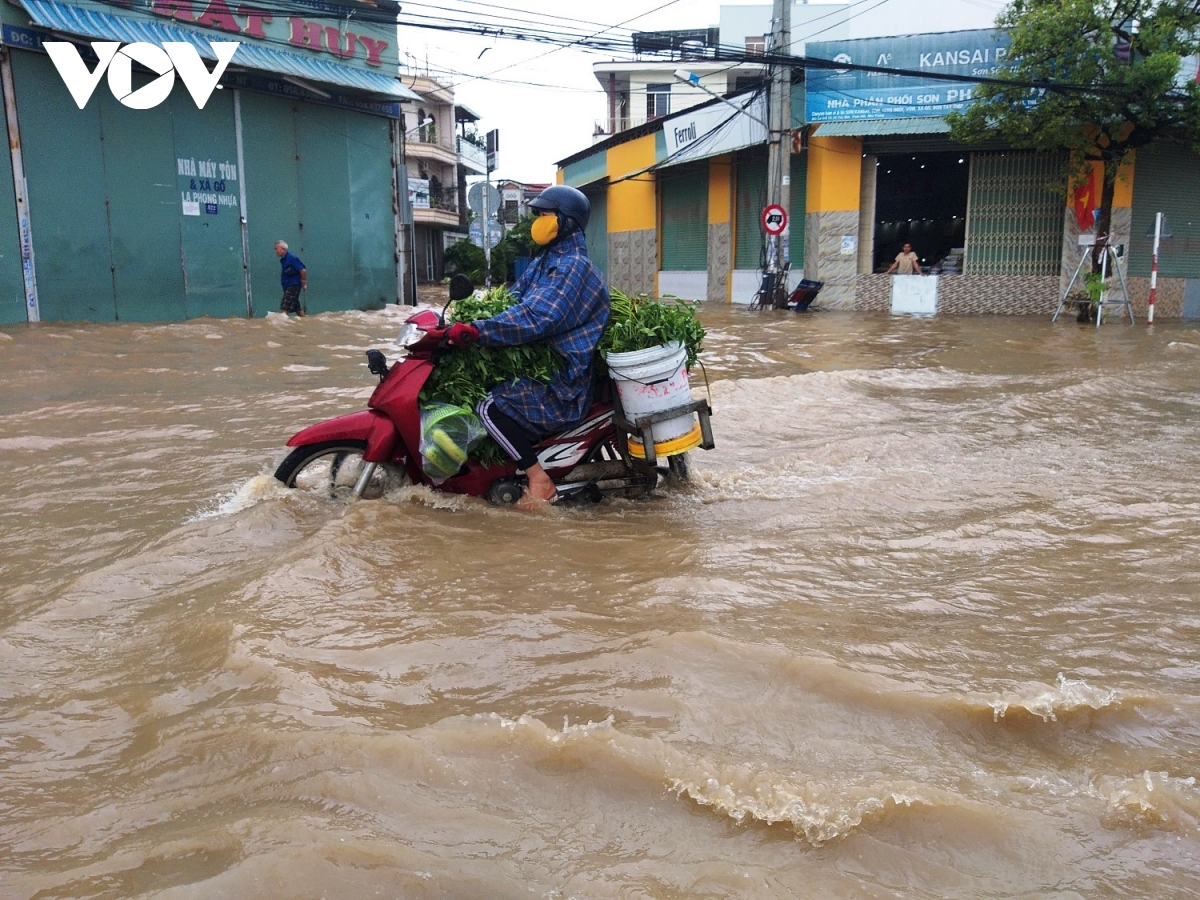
(493, 148)
(779, 119)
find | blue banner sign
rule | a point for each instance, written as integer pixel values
(848, 95)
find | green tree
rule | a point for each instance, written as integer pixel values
(516, 242)
(1096, 77)
(464, 257)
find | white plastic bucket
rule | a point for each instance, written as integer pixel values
(654, 381)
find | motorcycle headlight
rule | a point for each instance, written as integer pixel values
(409, 334)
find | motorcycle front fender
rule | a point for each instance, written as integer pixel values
(370, 426)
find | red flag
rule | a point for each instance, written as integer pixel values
(1086, 198)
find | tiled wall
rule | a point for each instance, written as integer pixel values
(967, 295)
(720, 245)
(633, 260)
(824, 260)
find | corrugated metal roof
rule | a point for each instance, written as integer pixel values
(911, 125)
(92, 24)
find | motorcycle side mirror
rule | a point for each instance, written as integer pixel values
(377, 363)
(460, 287)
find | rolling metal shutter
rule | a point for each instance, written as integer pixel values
(1166, 179)
(797, 209)
(685, 221)
(751, 198)
(597, 230)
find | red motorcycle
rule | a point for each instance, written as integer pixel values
(361, 454)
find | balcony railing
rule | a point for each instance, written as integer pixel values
(445, 201)
(474, 157)
(430, 135)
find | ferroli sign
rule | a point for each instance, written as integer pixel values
(842, 95)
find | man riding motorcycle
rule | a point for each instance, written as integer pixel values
(563, 300)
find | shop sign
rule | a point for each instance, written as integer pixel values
(848, 95)
(716, 129)
(356, 33)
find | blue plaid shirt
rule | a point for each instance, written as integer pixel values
(563, 301)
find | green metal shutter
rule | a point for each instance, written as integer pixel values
(72, 252)
(144, 208)
(751, 174)
(372, 222)
(685, 222)
(1167, 180)
(798, 208)
(211, 242)
(597, 230)
(324, 239)
(1015, 213)
(272, 192)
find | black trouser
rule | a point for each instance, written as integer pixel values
(512, 438)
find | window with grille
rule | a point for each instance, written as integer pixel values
(658, 100)
(756, 46)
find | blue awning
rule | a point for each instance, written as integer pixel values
(104, 26)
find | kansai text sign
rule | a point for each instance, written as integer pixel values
(167, 61)
(845, 95)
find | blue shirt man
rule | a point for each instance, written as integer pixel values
(293, 278)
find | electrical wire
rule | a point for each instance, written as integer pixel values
(562, 39)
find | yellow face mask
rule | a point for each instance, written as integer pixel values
(544, 229)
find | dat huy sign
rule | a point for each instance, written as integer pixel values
(358, 33)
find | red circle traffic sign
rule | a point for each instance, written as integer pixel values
(774, 219)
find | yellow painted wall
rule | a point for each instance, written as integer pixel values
(632, 204)
(720, 189)
(834, 174)
(1122, 190)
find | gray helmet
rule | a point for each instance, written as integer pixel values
(568, 202)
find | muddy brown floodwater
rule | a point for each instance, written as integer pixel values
(924, 624)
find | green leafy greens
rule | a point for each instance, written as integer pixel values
(639, 323)
(463, 375)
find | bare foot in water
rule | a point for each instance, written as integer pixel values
(541, 489)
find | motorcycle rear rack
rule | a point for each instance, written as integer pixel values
(641, 426)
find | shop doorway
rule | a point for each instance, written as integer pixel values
(921, 199)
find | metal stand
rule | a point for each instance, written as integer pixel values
(1085, 257)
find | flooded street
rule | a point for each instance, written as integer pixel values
(924, 624)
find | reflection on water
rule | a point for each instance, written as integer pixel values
(924, 624)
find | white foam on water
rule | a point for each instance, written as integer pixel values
(251, 493)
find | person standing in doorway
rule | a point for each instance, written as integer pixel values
(293, 278)
(906, 262)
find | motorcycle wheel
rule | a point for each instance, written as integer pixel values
(330, 469)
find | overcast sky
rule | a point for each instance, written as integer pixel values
(545, 102)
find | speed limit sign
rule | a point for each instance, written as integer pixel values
(774, 219)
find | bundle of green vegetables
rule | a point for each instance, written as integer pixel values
(463, 375)
(641, 322)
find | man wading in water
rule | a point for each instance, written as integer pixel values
(293, 277)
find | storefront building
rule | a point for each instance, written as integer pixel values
(171, 211)
(873, 168)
